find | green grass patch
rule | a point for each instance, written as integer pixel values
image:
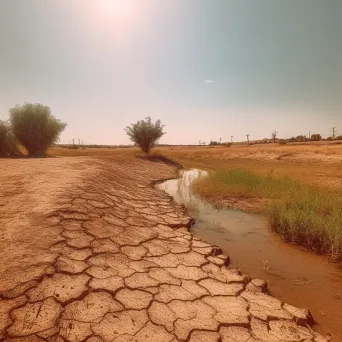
(302, 214)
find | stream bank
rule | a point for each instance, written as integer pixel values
(295, 275)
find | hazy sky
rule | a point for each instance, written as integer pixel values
(208, 69)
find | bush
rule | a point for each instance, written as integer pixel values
(145, 133)
(214, 143)
(301, 138)
(339, 137)
(35, 127)
(330, 138)
(316, 137)
(282, 142)
(8, 144)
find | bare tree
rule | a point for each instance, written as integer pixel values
(247, 135)
(274, 136)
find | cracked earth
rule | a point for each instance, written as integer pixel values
(91, 251)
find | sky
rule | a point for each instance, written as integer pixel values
(208, 69)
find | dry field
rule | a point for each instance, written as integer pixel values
(91, 251)
(314, 163)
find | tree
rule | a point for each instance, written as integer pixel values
(35, 127)
(145, 133)
(214, 143)
(339, 137)
(316, 137)
(8, 144)
(301, 138)
(274, 136)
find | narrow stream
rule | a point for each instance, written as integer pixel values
(294, 275)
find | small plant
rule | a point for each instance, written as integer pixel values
(145, 133)
(35, 127)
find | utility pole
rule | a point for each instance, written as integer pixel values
(220, 141)
(309, 135)
(79, 142)
(231, 138)
(247, 135)
(333, 132)
(73, 141)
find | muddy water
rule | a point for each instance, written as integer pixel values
(294, 275)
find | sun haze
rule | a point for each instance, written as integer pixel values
(207, 69)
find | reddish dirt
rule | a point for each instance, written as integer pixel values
(91, 251)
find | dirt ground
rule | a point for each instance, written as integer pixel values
(91, 251)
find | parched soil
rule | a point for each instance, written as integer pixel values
(91, 251)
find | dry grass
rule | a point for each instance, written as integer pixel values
(92, 152)
(318, 164)
(301, 213)
(297, 185)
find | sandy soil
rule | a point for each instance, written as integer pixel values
(31, 190)
(92, 252)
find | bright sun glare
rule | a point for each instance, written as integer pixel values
(116, 9)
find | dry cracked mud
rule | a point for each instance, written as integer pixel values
(111, 258)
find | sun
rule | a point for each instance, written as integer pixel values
(116, 9)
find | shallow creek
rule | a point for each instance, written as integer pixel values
(295, 276)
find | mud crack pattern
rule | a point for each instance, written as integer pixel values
(126, 268)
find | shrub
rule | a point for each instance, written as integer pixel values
(145, 133)
(35, 127)
(316, 137)
(330, 138)
(339, 137)
(8, 144)
(301, 138)
(214, 143)
(282, 142)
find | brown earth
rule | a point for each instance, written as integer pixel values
(91, 251)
